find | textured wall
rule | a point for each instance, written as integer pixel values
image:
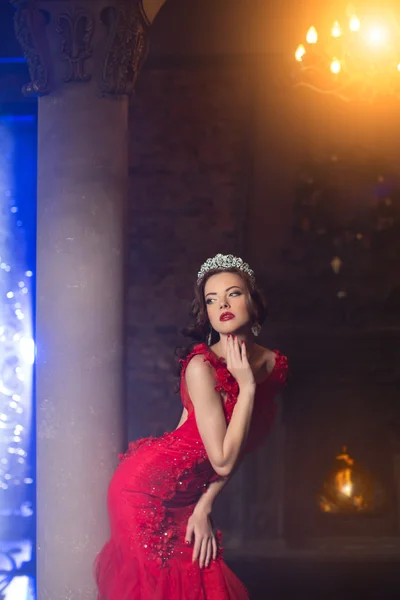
(215, 155)
(188, 189)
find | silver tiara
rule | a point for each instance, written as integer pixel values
(224, 261)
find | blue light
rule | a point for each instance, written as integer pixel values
(12, 60)
(17, 119)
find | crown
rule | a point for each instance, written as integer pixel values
(224, 261)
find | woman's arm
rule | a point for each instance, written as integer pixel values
(200, 525)
(206, 502)
(223, 443)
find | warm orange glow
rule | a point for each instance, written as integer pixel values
(347, 489)
(361, 50)
(300, 52)
(336, 30)
(344, 483)
(335, 66)
(377, 35)
(354, 23)
(312, 36)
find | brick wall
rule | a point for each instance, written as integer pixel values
(188, 190)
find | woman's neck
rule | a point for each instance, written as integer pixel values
(220, 347)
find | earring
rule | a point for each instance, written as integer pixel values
(256, 329)
(209, 337)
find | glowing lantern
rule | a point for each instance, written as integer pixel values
(348, 488)
(336, 30)
(335, 66)
(354, 24)
(312, 36)
(300, 52)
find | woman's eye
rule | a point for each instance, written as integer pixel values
(211, 300)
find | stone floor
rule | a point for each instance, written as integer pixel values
(282, 579)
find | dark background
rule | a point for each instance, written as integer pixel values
(223, 152)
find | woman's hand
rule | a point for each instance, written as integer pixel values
(205, 544)
(238, 363)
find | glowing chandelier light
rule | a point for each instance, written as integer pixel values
(356, 58)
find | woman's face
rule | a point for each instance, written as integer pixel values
(225, 299)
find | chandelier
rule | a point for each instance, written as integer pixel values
(354, 58)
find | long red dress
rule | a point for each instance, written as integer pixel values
(154, 491)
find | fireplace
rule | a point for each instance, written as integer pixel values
(343, 391)
(344, 394)
(351, 489)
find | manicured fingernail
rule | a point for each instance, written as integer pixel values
(187, 543)
(229, 335)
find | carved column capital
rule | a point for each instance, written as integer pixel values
(79, 41)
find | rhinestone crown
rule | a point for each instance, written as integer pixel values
(224, 261)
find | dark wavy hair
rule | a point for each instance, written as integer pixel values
(200, 328)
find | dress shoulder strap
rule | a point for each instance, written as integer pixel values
(198, 349)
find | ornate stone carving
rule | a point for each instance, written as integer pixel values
(75, 28)
(127, 46)
(30, 31)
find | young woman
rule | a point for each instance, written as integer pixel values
(162, 545)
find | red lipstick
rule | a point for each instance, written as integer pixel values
(226, 316)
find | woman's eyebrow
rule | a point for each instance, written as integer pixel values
(227, 290)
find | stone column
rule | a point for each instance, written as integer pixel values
(84, 58)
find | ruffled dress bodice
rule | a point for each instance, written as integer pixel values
(265, 407)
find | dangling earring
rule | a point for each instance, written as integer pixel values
(256, 329)
(209, 337)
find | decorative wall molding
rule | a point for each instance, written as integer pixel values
(58, 43)
(30, 31)
(75, 26)
(127, 47)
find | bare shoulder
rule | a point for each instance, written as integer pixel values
(200, 382)
(195, 362)
(197, 367)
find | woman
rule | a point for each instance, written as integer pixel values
(162, 545)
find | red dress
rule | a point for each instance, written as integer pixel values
(154, 491)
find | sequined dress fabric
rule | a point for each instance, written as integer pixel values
(154, 491)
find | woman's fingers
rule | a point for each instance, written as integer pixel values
(209, 552)
(237, 350)
(245, 358)
(203, 552)
(196, 548)
(189, 533)
(214, 547)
